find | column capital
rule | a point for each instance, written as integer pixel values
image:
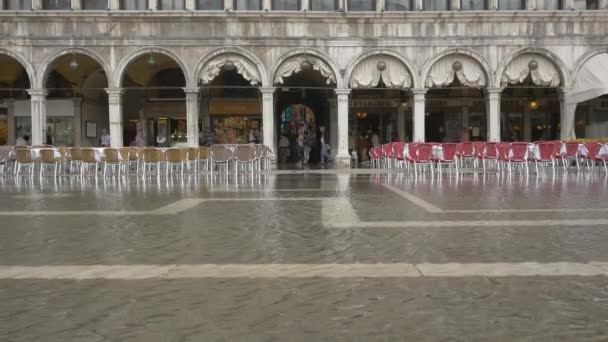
(267, 90)
(38, 92)
(115, 91)
(494, 90)
(420, 91)
(562, 92)
(342, 92)
(191, 90)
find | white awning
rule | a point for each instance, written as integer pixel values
(592, 80)
(391, 70)
(465, 68)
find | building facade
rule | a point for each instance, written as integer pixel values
(158, 72)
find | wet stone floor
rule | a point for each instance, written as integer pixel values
(305, 256)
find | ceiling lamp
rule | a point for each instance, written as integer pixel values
(361, 115)
(403, 103)
(74, 65)
(533, 104)
(306, 65)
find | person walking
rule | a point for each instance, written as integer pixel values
(324, 143)
(105, 138)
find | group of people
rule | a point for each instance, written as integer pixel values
(303, 145)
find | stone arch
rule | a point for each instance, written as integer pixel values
(582, 60)
(29, 69)
(126, 61)
(557, 62)
(233, 51)
(47, 65)
(484, 66)
(321, 56)
(411, 68)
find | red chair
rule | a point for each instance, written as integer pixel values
(570, 154)
(486, 152)
(387, 151)
(502, 151)
(421, 154)
(592, 158)
(399, 153)
(373, 158)
(546, 154)
(518, 153)
(465, 151)
(448, 156)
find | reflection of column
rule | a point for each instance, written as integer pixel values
(192, 116)
(401, 122)
(38, 103)
(343, 157)
(78, 120)
(115, 109)
(268, 118)
(493, 113)
(10, 121)
(419, 115)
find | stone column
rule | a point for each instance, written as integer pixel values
(78, 121)
(10, 121)
(419, 115)
(115, 108)
(342, 157)
(455, 5)
(76, 5)
(266, 5)
(333, 127)
(228, 5)
(152, 5)
(38, 103)
(464, 121)
(191, 5)
(531, 5)
(603, 4)
(380, 5)
(493, 113)
(192, 115)
(567, 115)
(305, 5)
(527, 136)
(1, 5)
(268, 118)
(493, 5)
(401, 122)
(418, 5)
(36, 5)
(114, 5)
(568, 4)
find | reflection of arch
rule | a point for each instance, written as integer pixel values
(293, 59)
(557, 63)
(253, 66)
(441, 70)
(408, 68)
(49, 63)
(24, 63)
(125, 62)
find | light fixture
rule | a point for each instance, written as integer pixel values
(533, 104)
(361, 115)
(403, 103)
(74, 65)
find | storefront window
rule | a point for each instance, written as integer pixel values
(134, 5)
(57, 5)
(286, 5)
(474, 5)
(210, 5)
(60, 131)
(94, 4)
(436, 5)
(171, 5)
(361, 5)
(23, 129)
(248, 5)
(548, 5)
(511, 5)
(586, 5)
(18, 5)
(324, 5)
(399, 5)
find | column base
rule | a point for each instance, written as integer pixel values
(342, 162)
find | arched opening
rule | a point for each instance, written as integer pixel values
(455, 105)
(305, 106)
(15, 118)
(77, 103)
(380, 108)
(230, 110)
(590, 96)
(153, 104)
(530, 108)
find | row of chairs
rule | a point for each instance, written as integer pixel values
(83, 161)
(500, 155)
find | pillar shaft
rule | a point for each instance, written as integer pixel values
(343, 157)
(419, 115)
(152, 5)
(567, 116)
(114, 5)
(268, 118)
(115, 109)
(190, 5)
(401, 122)
(192, 113)
(493, 113)
(38, 103)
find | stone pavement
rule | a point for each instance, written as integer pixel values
(305, 256)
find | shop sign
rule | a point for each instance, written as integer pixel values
(374, 103)
(226, 107)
